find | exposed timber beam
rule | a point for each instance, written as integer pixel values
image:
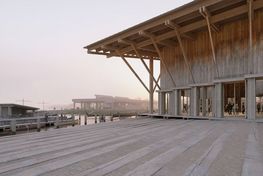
(175, 27)
(160, 21)
(168, 43)
(205, 14)
(148, 48)
(250, 44)
(200, 24)
(143, 51)
(153, 40)
(251, 8)
(134, 72)
(172, 25)
(114, 54)
(139, 55)
(145, 54)
(106, 47)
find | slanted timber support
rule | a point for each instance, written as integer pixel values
(133, 71)
(159, 77)
(171, 25)
(203, 11)
(250, 45)
(143, 62)
(159, 54)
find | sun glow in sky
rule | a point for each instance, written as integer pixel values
(42, 56)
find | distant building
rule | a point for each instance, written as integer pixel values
(15, 110)
(110, 102)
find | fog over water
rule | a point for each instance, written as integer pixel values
(42, 56)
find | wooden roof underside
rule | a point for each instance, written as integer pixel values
(188, 20)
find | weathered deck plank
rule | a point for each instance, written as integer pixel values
(137, 147)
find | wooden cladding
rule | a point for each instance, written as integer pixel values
(231, 50)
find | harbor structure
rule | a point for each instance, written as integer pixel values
(16, 110)
(106, 102)
(210, 53)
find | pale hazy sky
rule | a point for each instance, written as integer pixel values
(41, 48)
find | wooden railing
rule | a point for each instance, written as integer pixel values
(34, 122)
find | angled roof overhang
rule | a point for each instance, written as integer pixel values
(188, 21)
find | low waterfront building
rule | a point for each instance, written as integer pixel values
(101, 102)
(16, 110)
(210, 54)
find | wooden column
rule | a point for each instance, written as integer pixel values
(177, 102)
(219, 100)
(13, 126)
(171, 103)
(85, 120)
(161, 103)
(95, 119)
(251, 98)
(195, 95)
(38, 124)
(73, 120)
(57, 122)
(204, 97)
(151, 93)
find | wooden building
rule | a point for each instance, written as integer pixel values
(211, 57)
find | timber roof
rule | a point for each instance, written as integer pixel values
(186, 20)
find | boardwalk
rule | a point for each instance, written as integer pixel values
(138, 147)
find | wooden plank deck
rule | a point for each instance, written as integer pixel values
(142, 146)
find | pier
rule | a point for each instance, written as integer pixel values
(143, 146)
(53, 118)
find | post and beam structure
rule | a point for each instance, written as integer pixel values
(237, 11)
(158, 79)
(210, 25)
(151, 88)
(143, 62)
(159, 53)
(133, 71)
(175, 27)
(214, 59)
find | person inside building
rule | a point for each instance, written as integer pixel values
(243, 108)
